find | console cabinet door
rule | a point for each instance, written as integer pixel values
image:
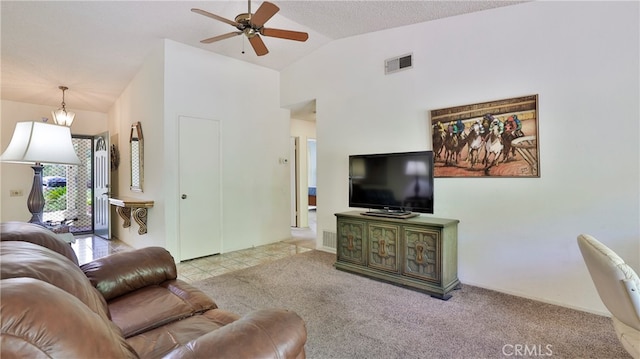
(351, 241)
(383, 246)
(422, 253)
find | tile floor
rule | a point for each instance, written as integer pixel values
(90, 247)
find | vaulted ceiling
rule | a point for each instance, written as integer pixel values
(96, 47)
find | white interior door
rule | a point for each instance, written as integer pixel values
(101, 181)
(200, 182)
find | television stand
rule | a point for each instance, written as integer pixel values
(419, 253)
(391, 214)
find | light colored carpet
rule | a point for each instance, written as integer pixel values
(349, 316)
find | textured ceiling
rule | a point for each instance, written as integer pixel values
(96, 47)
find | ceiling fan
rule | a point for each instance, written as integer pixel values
(252, 26)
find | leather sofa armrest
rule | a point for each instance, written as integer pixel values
(40, 320)
(125, 272)
(268, 333)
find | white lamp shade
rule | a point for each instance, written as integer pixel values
(63, 117)
(416, 168)
(39, 142)
(358, 168)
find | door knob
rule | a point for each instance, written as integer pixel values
(184, 196)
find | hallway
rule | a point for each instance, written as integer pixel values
(305, 237)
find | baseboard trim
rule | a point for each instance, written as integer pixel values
(539, 299)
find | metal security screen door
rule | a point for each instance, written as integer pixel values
(67, 190)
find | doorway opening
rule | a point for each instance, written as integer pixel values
(68, 190)
(304, 189)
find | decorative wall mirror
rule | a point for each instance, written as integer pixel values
(136, 143)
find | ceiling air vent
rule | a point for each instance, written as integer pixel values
(396, 64)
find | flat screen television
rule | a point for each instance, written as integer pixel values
(393, 184)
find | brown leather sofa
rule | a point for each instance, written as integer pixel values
(127, 305)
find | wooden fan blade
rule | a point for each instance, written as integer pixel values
(214, 16)
(264, 13)
(258, 45)
(220, 37)
(285, 34)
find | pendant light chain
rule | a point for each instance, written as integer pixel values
(63, 88)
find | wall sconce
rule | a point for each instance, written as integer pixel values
(61, 116)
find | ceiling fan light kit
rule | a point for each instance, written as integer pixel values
(252, 26)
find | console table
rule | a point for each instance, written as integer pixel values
(124, 207)
(420, 252)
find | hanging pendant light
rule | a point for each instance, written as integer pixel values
(61, 116)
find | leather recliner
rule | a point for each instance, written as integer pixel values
(126, 305)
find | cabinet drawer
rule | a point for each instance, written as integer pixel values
(422, 253)
(351, 241)
(383, 246)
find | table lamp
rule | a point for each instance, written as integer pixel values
(36, 143)
(418, 169)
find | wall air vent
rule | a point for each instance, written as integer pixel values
(329, 239)
(399, 63)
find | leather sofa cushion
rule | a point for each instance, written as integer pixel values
(124, 272)
(42, 321)
(23, 259)
(164, 303)
(33, 233)
(267, 333)
(160, 341)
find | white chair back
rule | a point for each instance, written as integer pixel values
(618, 284)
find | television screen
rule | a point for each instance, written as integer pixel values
(395, 182)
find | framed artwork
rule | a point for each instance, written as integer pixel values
(489, 139)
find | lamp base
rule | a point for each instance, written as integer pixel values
(35, 201)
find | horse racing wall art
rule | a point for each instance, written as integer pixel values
(489, 139)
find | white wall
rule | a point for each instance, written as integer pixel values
(178, 80)
(254, 135)
(515, 235)
(20, 177)
(142, 101)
